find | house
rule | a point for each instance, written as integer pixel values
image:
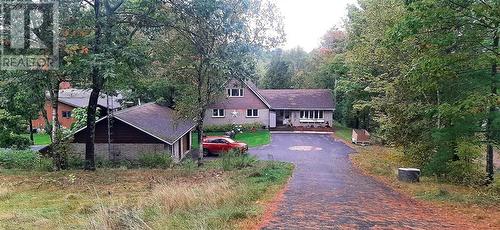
(148, 128)
(244, 103)
(70, 99)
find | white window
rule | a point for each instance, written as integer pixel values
(311, 114)
(252, 113)
(236, 92)
(218, 113)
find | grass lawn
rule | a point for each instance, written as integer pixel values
(40, 139)
(183, 197)
(253, 139)
(343, 132)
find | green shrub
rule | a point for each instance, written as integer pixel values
(104, 163)
(457, 163)
(236, 160)
(466, 173)
(189, 165)
(229, 127)
(75, 162)
(14, 141)
(155, 160)
(24, 159)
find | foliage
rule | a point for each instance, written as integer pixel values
(11, 127)
(425, 76)
(279, 72)
(383, 162)
(234, 159)
(80, 116)
(25, 160)
(229, 127)
(155, 160)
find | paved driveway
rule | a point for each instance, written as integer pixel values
(327, 192)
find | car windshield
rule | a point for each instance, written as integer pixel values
(230, 140)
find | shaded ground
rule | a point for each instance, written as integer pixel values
(327, 192)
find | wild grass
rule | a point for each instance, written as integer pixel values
(181, 197)
(383, 163)
(343, 132)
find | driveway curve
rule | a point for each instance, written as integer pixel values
(327, 192)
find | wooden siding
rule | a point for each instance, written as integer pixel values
(120, 133)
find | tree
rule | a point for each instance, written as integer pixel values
(429, 71)
(113, 25)
(211, 43)
(279, 73)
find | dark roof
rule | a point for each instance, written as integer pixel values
(254, 89)
(79, 98)
(156, 120)
(299, 98)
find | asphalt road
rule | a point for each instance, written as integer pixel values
(327, 192)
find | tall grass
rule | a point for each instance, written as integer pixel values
(182, 196)
(5, 192)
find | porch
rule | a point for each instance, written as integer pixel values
(300, 120)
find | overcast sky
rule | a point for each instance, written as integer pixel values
(306, 21)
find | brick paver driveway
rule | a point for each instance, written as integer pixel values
(327, 192)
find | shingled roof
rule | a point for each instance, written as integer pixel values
(299, 98)
(79, 98)
(157, 121)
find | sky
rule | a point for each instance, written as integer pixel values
(306, 21)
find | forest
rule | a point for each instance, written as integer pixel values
(421, 75)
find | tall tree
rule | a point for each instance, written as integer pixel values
(211, 43)
(279, 72)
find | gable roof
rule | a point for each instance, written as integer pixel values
(155, 120)
(79, 98)
(256, 91)
(321, 99)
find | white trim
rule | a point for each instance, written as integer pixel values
(240, 92)
(258, 95)
(191, 129)
(299, 109)
(218, 112)
(252, 113)
(311, 120)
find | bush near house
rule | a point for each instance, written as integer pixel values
(228, 127)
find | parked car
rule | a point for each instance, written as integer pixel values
(217, 145)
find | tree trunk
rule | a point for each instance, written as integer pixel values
(490, 168)
(199, 129)
(91, 115)
(31, 131)
(97, 83)
(54, 100)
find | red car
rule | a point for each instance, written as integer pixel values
(214, 144)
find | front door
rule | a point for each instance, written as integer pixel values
(272, 119)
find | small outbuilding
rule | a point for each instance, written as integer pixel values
(144, 129)
(360, 136)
